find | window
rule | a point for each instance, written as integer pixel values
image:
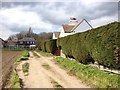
(31, 42)
(21, 42)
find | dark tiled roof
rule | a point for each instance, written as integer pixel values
(27, 39)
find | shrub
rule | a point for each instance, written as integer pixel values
(99, 44)
(43, 48)
(49, 46)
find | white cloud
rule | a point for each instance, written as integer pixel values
(5, 32)
(17, 16)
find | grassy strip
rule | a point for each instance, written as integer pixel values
(56, 85)
(14, 80)
(46, 66)
(44, 53)
(25, 68)
(89, 74)
(35, 54)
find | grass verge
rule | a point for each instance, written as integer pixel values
(26, 53)
(44, 53)
(89, 74)
(24, 56)
(46, 66)
(25, 68)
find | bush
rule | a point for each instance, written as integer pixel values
(43, 48)
(92, 75)
(49, 46)
(99, 44)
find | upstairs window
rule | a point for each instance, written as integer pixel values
(28, 42)
(21, 42)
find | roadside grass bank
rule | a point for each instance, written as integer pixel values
(45, 54)
(91, 75)
(14, 80)
(24, 56)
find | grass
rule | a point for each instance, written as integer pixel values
(35, 54)
(44, 53)
(15, 81)
(24, 56)
(46, 66)
(25, 68)
(56, 85)
(91, 75)
(25, 53)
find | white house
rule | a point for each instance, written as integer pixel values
(74, 26)
(56, 35)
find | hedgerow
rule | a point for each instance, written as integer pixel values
(49, 46)
(99, 44)
(43, 46)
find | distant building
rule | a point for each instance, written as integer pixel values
(56, 35)
(27, 42)
(12, 43)
(2, 42)
(73, 26)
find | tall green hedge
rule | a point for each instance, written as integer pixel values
(43, 48)
(49, 46)
(99, 44)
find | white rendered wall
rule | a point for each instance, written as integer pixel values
(54, 36)
(63, 34)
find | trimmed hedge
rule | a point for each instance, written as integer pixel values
(99, 44)
(43, 46)
(49, 46)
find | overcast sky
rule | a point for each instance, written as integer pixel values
(48, 16)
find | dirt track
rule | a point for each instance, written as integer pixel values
(40, 77)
